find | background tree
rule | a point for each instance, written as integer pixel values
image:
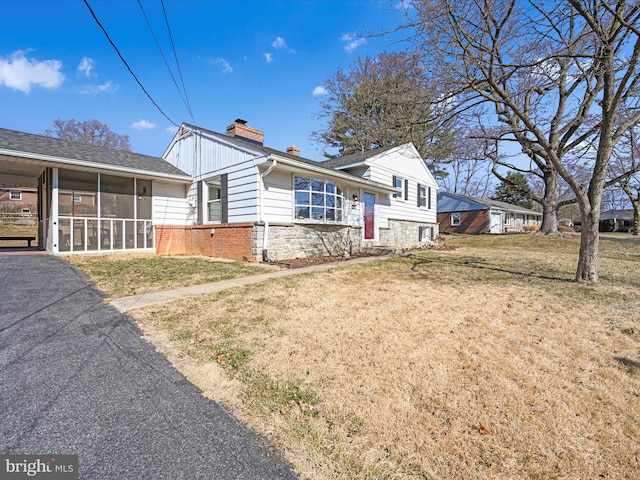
(515, 190)
(381, 102)
(548, 75)
(89, 132)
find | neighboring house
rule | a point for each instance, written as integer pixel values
(93, 199)
(221, 195)
(616, 221)
(18, 199)
(250, 201)
(463, 214)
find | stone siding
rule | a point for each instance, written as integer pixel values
(404, 234)
(301, 241)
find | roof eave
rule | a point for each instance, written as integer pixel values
(61, 161)
(330, 172)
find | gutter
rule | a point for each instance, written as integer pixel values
(337, 174)
(63, 162)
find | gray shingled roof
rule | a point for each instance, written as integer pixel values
(27, 143)
(329, 164)
(354, 157)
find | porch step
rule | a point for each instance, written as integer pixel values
(380, 250)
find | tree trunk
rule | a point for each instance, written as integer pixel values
(635, 228)
(550, 204)
(589, 260)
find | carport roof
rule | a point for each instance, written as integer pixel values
(65, 152)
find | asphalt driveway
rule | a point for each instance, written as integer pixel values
(77, 378)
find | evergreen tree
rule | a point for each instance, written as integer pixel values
(515, 190)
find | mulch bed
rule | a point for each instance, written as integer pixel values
(309, 261)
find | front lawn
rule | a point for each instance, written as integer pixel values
(483, 362)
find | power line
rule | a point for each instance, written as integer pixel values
(86, 2)
(182, 96)
(176, 57)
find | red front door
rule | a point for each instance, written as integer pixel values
(369, 207)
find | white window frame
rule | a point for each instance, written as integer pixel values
(337, 204)
(15, 195)
(399, 183)
(214, 182)
(455, 219)
(422, 194)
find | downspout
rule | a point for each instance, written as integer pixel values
(265, 237)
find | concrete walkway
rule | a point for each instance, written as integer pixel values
(125, 304)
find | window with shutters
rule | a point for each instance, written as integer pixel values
(422, 196)
(214, 201)
(398, 182)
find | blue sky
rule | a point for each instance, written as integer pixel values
(262, 61)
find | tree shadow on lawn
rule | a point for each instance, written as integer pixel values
(632, 365)
(480, 264)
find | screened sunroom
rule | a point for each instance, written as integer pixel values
(100, 212)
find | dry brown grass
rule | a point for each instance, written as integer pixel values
(483, 362)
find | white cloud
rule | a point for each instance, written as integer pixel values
(171, 129)
(352, 41)
(226, 66)
(86, 65)
(279, 43)
(143, 125)
(106, 87)
(21, 73)
(268, 57)
(319, 90)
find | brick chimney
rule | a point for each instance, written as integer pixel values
(241, 130)
(293, 150)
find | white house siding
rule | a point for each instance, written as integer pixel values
(170, 204)
(211, 155)
(277, 197)
(404, 163)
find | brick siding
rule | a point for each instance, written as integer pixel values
(233, 241)
(472, 222)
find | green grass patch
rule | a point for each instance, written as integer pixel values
(130, 276)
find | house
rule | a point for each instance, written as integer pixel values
(18, 199)
(224, 195)
(250, 201)
(470, 215)
(616, 221)
(93, 199)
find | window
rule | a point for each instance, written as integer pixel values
(455, 219)
(214, 202)
(425, 234)
(15, 195)
(422, 196)
(317, 200)
(398, 183)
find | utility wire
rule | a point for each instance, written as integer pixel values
(86, 2)
(175, 82)
(176, 57)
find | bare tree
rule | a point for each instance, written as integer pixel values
(89, 132)
(381, 102)
(549, 75)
